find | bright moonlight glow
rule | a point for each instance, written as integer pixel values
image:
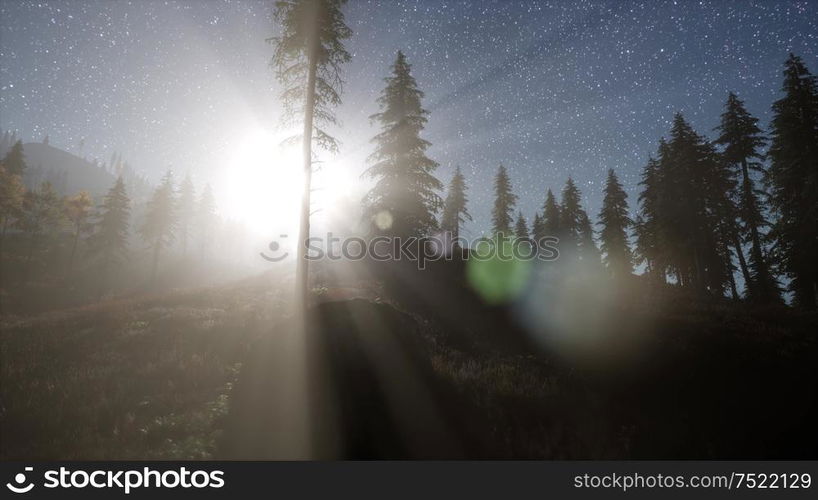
(264, 183)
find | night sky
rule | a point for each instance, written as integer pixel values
(549, 89)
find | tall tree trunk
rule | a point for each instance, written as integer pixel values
(762, 274)
(731, 279)
(302, 265)
(745, 272)
(733, 289)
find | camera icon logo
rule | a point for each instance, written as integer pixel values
(20, 479)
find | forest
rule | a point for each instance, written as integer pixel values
(674, 325)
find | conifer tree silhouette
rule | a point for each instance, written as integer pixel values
(405, 186)
(455, 211)
(109, 241)
(615, 222)
(537, 228)
(159, 227)
(570, 219)
(687, 222)
(588, 251)
(521, 227)
(742, 140)
(793, 181)
(646, 225)
(504, 202)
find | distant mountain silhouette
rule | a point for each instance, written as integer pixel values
(67, 172)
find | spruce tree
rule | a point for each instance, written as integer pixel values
(693, 213)
(551, 216)
(615, 222)
(110, 238)
(159, 226)
(504, 202)
(308, 58)
(187, 210)
(742, 140)
(793, 181)
(15, 160)
(588, 251)
(537, 228)
(521, 227)
(455, 212)
(77, 211)
(405, 186)
(646, 226)
(570, 219)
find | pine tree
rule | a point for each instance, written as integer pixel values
(551, 216)
(405, 188)
(504, 202)
(15, 160)
(646, 226)
(615, 223)
(110, 238)
(588, 251)
(570, 219)
(692, 213)
(537, 228)
(159, 226)
(206, 219)
(455, 212)
(521, 227)
(793, 181)
(187, 210)
(77, 210)
(11, 199)
(742, 140)
(308, 58)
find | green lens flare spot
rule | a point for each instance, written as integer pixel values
(495, 274)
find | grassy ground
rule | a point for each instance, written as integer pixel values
(153, 377)
(144, 378)
(704, 382)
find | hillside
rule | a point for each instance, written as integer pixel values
(69, 173)
(191, 374)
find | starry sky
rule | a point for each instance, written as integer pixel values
(549, 89)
